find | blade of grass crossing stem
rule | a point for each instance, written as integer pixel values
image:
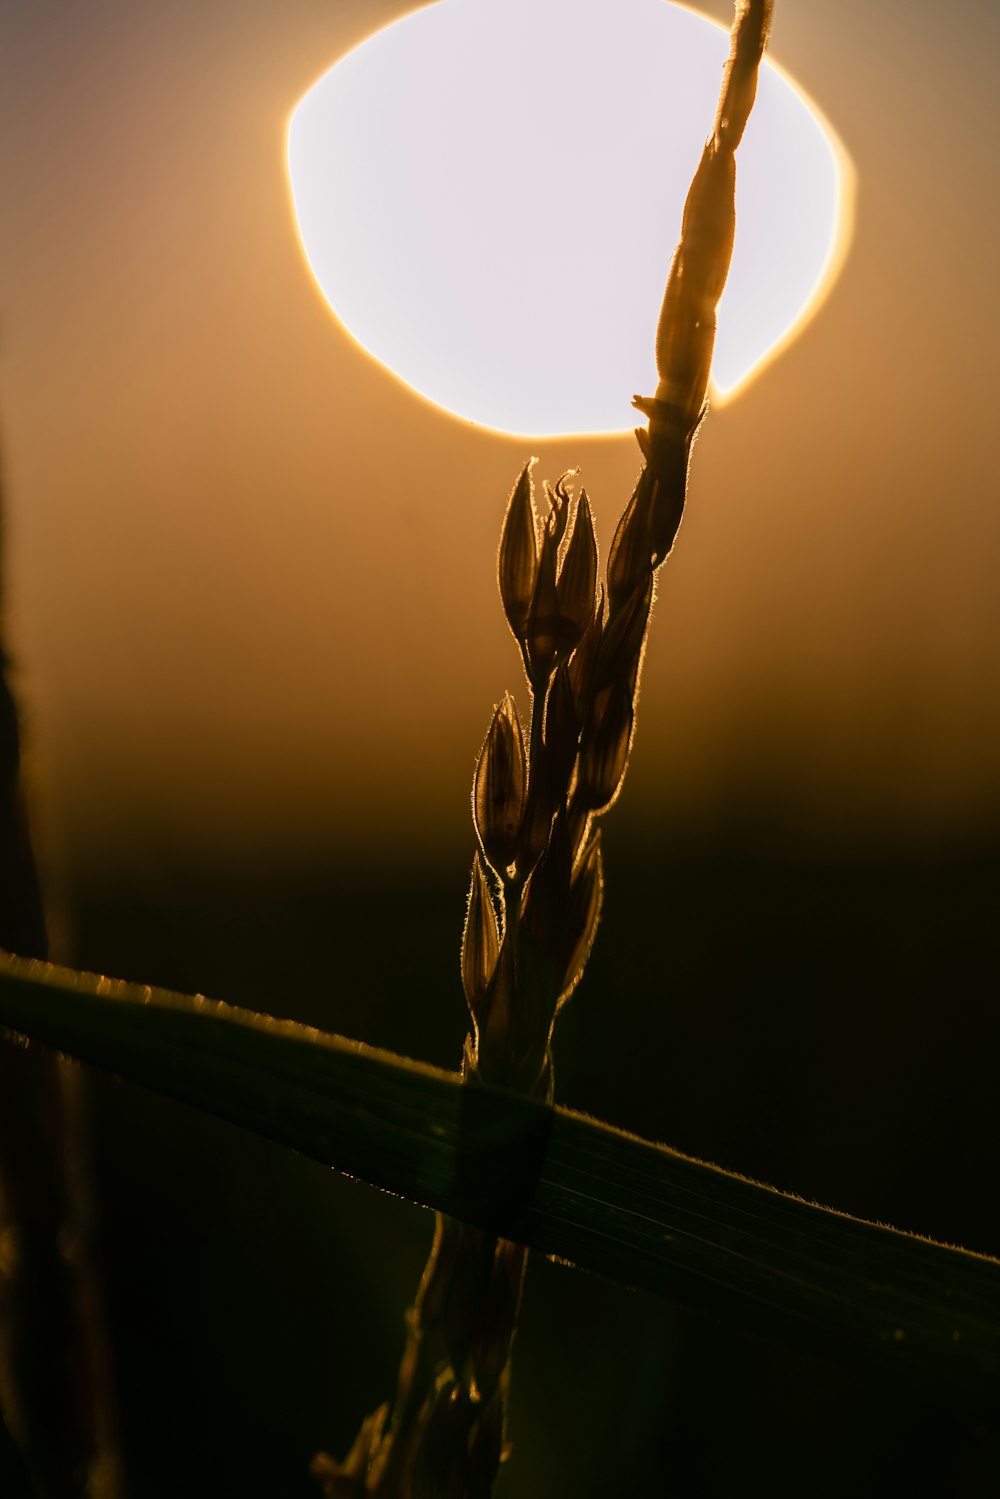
(556, 1181)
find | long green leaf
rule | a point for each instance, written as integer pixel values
(557, 1181)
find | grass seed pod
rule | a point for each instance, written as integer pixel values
(585, 898)
(544, 917)
(537, 821)
(518, 556)
(622, 641)
(605, 745)
(577, 581)
(543, 629)
(480, 938)
(499, 785)
(581, 663)
(632, 548)
(561, 729)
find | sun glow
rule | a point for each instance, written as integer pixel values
(488, 193)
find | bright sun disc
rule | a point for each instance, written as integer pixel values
(488, 193)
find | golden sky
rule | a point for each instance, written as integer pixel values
(250, 577)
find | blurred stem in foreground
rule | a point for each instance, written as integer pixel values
(535, 898)
(54, 1409)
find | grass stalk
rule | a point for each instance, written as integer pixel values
(535, 898)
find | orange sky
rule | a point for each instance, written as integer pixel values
(250, 578)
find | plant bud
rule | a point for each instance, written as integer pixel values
(578, 574)
(517, 560)
(632, 548)
(684, 342)
(581, 663)
(537, 821)
(561, 730)
(545, 908)
(605, 744)
(498, 790)
(480, 939)
(543, 628)
(621, 643)
(585, 898)
(495, 1019)
(514, 1021)
(670, 456)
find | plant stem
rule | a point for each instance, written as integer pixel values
(535, 818)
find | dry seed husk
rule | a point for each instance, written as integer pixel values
(546, 902)
(480, 938)
(605, 745)
(559, 503)
(632, 548)
(621, 643)
(537, 821)
(514, 1021)
(518, 557)
(747, 41)
(585, 897)
(581, 662)
(578, 575)
(671, 455)
(499, 786)
(543, 631)
(561, 729)
(495, 1018)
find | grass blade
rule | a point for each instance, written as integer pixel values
(557, 1181)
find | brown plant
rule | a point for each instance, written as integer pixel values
(535, 897)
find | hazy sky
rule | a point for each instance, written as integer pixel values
(250, 577)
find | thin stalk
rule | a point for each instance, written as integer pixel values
(535, 816)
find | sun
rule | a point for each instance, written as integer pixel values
(488, 193)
